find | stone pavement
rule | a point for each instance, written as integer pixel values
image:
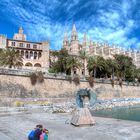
(16, 127)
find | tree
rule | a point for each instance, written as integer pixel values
(72, 63)
(94, 63)
(11, 58)
(83, 56)
(60, 64)
(137, 74)
(112, 67)
(125, 64)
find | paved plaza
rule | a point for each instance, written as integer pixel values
(16, 127)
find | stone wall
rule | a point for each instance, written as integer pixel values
(20, 87)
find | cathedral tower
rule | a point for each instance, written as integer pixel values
(74, 44)
(85, 43)
(66, 41)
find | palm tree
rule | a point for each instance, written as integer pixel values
(11, 58)
(94, 63)
(59, 65)
(137, 74)
(83, 56)
(72, 63)
(124, 64)
(112, 67)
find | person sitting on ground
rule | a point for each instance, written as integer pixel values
(44, 135)
(31, 134)
(38, 132)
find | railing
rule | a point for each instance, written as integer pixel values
(11, 71)
(61, 76)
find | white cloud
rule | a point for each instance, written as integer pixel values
(106, 21)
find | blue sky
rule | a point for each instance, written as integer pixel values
(112, 21)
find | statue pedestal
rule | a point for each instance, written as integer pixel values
(82, 116)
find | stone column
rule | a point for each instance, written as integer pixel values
(37, 55)
(24, 56)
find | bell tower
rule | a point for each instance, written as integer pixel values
(20, 35)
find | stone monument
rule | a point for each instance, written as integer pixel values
(82, 115)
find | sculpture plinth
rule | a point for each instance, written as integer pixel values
(82, 115)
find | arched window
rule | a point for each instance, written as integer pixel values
(22, 53)
(31, 55)
(37, 65)
(29, 64)
(35, 55)
(39, 54)
(26, 54)
(83, 72)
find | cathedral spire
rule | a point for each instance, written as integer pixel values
(85, 40)
(65, 36)
(74, 28)
(74, 35)
(65, 40)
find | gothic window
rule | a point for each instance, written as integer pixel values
(28, 45)
(83, 72)
(13, 43)
(31, 55)
(22, 53)
(26, 54)
(39, 54)
(35, 55)
(20, 44)
(34, 46)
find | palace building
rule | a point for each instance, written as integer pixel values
(35, 54)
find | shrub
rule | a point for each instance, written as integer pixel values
(120, 82)
(37, 77)
(112, 82)
(91, 81)
(40, 77)
(33, 78)
(18, 104)
(76, 80)
(69, 78)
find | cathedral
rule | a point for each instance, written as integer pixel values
(95, 48)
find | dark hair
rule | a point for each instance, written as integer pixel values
(39, 126)
(45, 130)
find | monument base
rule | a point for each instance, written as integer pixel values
(82, 116)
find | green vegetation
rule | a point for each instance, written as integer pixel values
(37, 77)
(18, 104)
(10, 58)
(120, 68)
(65, 63)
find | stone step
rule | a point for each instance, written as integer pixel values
(20, 110)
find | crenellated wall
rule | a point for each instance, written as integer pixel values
(20, 86)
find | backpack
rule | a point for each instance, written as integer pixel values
(31, 134)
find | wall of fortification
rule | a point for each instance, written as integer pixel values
(20, 86)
